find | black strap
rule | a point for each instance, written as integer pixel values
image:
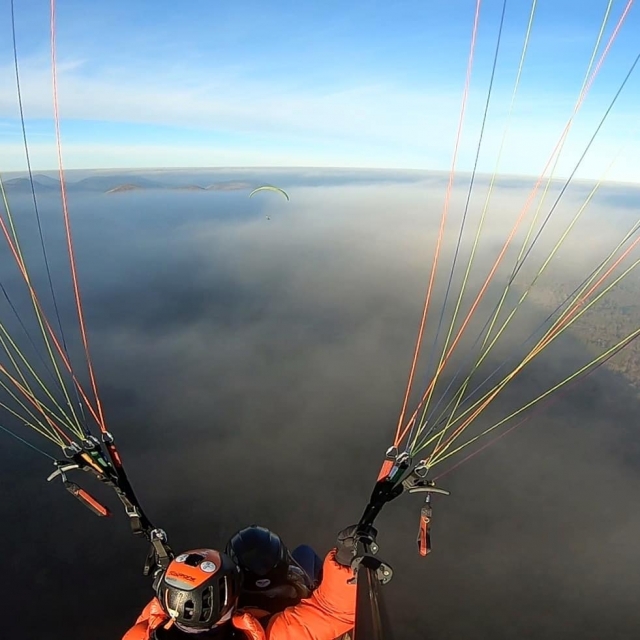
(372, 621)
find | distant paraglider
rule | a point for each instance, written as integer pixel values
(268, 187)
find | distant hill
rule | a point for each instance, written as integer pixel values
(114, 184)
(230, 185)
(40, 184)
(124, 187)
(46, 181)
(106, 184)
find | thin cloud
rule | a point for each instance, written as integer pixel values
(252, 371)
(372, 124)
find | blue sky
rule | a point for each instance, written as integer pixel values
(289, 83)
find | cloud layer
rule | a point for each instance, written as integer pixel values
(253, 372)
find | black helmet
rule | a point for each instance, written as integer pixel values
(261, 555)
(199, 589)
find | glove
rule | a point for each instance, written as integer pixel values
(346, 545)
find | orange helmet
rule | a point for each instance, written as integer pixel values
(199, 589)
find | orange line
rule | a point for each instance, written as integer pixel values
(65, 211)
(524, 211)
(36, 403)
(36, 301)
(443, 220)
(552, 333)
(578, 303)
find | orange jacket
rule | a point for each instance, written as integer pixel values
(326, 615)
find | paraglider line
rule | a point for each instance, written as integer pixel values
(399, 433)
(575, 169)
(514, 93)
(577, 291)
(65, 212)
(550, 336)
(550, 401)
(31, 180)
(400, 436)
(31, 446)
(28, 334)
(462, 225)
